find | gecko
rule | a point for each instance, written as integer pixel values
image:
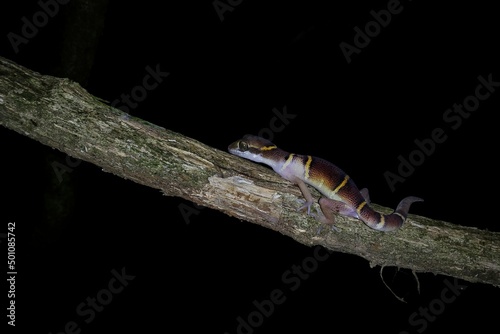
(340, 195)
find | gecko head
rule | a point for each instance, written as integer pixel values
(252, 148)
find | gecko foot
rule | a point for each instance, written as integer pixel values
(319, 217)
(325, 222)
(334, 228)
(307, 205)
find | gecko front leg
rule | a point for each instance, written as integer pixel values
(307, 195)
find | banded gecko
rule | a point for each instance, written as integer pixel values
(340, 194)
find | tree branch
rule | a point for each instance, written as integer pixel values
(61, 114)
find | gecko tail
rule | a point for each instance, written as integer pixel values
(396, 219)
(404, 206)
(390, 222)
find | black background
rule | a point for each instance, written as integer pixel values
(226, 77)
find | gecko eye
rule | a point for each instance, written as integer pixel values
(243, 146)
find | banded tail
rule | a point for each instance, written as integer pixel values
(388, 222)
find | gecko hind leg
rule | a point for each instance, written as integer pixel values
(330, 207)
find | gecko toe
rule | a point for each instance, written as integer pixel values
(304, 206)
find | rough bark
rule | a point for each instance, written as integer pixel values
(61, 114)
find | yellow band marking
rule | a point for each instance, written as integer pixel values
(307, 167)
(346, 178)
(360, 207)
(381, 224)
(268, 148)
(288, 161)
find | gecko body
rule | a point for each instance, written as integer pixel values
(340, 193)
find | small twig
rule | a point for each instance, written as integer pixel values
(387, 286)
